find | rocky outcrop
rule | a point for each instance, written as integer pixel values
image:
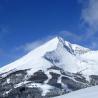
(38, 77)
(18, 85)
(24, 92)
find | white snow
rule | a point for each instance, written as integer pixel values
(49, 77)
(90, 92)
(8, 80)
(84, 60)
(20, 84)
(34, 59)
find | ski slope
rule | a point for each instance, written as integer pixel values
(90, 92)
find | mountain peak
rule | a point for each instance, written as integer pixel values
(32, 57)
(57, 49)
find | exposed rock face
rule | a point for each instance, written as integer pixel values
(72, 84)
(38, 77)
(17, 85)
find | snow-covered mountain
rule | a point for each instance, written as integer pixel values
(70, 57)
(56, 67)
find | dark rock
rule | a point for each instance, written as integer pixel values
(55, 68)
(72, 84)
(25, 92)
(38, 77)
(54, 78)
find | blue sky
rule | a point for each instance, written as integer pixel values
(26, 24)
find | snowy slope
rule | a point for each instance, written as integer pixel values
(33, 58)
(70, 57)
(91, 92)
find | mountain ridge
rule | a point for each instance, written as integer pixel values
(40, 51)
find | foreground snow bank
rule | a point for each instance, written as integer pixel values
(90, 92)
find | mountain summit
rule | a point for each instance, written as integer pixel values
(54, 52)
(54, 68)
